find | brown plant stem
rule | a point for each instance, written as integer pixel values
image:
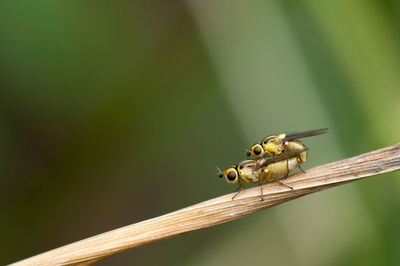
(221, 209)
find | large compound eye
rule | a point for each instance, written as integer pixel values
(231, 175)
(257, 149)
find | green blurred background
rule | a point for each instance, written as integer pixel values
(116, 112)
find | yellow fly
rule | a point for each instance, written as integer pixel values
(263, 170)
(276, 156)
(277, 144)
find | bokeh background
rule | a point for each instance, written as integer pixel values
(116, 112)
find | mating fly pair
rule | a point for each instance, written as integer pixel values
(275, 157)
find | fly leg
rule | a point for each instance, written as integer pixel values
(267, 178)
(284, 184)
(301, 169)
(298, 163)
(238, 191)
(240, 188)
(260, 183)
(286, 176)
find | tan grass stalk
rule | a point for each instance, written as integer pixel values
(221, 209)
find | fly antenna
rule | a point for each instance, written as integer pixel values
(219, 171)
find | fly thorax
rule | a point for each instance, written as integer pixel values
(248, 175)
(274, 148)
(247, 172)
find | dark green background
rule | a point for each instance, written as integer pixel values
(112, 112)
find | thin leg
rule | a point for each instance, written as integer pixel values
(284, 184)
(298, 164)
(260, 183)
(238, 191)
(240, 188)
(301, 169)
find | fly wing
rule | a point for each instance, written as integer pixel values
(269, 160)
(305, 134)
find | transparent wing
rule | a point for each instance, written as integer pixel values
(305, 134)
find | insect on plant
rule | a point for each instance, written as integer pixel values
(276, 144)
(272, 169)
(276, 156)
